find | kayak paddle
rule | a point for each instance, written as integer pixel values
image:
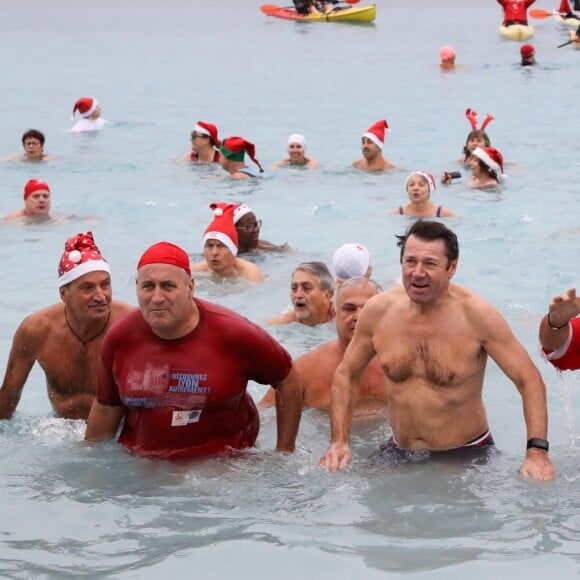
(565, 44)
(537, 13)
(270, 8)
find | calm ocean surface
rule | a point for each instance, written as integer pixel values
(157, 67)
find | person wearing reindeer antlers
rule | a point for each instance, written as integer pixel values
(476, 137)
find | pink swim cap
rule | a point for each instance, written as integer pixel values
(446, 53)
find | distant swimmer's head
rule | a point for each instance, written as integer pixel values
(527, 52)
(223, 228)
(234, 149)
(492, 159)
(426, 177)
(447, 54)
(81, 256)
(87, 107)
(205, 130)
(36, 198)
(376, 133)
(297, 139)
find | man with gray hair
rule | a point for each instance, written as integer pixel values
(311, 290)
(317, 367)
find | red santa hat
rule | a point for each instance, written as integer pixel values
(235, 147)
(35, 185)
(376, 133)
(429, 178)
(80, 257)
(165, 253)
(207, 129)
(240, 210)
(223, 228)
(85, 106)
(492, 158)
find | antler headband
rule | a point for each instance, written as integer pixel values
(472, 118)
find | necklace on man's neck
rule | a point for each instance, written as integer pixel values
(85, 342)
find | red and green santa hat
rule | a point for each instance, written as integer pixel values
(235, 148)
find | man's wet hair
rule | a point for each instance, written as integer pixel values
(320, 271)
(33, 134)
(429, 231)
(357, 282)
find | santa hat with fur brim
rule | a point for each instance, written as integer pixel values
(80, 257)
(223, 228)
(234, 148)
(85, 107)
(492, 158)
(376, 133)
(207, 129)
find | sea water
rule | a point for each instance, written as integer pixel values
(71, 510)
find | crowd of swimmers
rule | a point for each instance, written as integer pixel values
(426, 333)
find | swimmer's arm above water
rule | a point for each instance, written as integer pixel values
(103, 421)
(344, 390)
(288, 410)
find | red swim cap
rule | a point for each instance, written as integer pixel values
(165, 253)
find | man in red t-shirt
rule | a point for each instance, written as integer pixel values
(560, 332)
(177, 371)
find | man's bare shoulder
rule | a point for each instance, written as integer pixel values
(329, 351)
(266, 246)
(284, 318)
(200, 266)
(41, 324)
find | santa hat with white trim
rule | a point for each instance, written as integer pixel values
(222, 228)
(240, 210)
(80, 257)
(207, 129)
(427, 176)
(492, 158)
(376, 133)
(85, 107)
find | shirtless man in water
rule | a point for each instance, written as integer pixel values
(318, 366)
(65, 338)
(372, 143)
(433, 339)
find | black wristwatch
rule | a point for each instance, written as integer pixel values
(538, 443)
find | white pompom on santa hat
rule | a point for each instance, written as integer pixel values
(222, 228)
(80, 257)
(85, 107)
(376, 133)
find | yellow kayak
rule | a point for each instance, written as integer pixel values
(354, 14)
(516, 32)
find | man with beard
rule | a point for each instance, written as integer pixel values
(318, 366)
(311, 291)
(372, 143)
